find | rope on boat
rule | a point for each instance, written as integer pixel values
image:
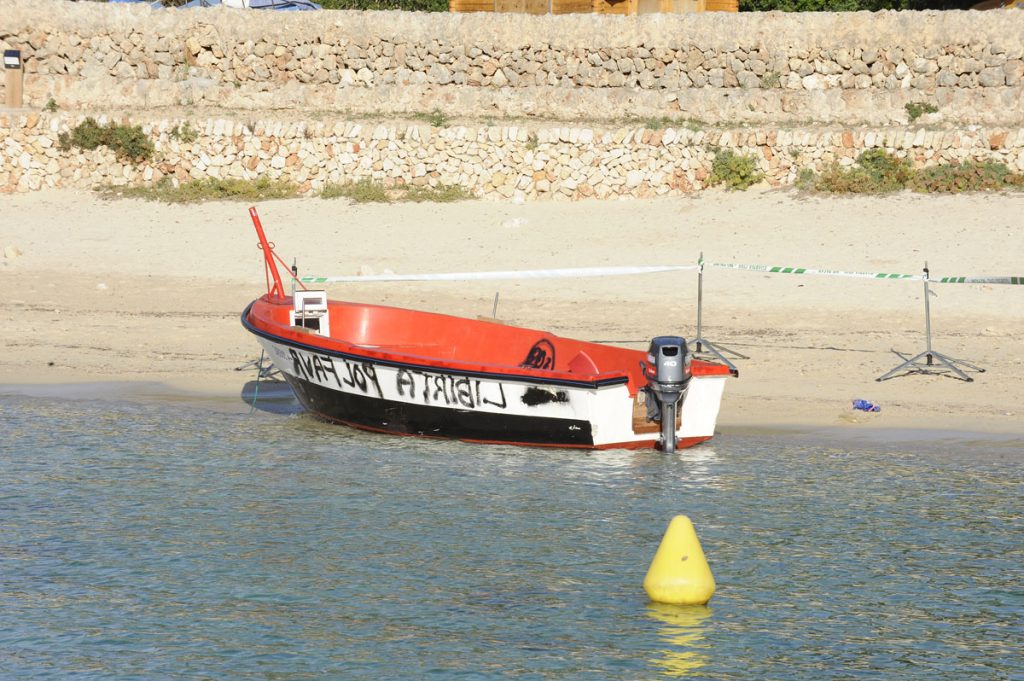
(510, 274)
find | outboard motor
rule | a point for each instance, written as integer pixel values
(668, 375)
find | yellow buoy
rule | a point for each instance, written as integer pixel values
(679, 573)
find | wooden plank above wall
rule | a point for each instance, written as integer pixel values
(571, 6)
(523, 6)
(471, 5)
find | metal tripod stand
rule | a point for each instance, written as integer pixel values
(934, 362)
(703, 346)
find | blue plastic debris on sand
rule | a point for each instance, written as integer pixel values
(864, 405)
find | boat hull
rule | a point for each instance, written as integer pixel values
(423, 400)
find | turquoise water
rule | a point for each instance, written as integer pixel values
(164, 541)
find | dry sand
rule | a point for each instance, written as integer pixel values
(130, 291)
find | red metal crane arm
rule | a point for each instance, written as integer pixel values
(270, 259)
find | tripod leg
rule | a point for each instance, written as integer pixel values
(711, 349)
(950, 360)
(905, 365)
(951, 364)
(932, 360)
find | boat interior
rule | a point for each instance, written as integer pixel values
(438, 338)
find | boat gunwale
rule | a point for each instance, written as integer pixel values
(437, 366)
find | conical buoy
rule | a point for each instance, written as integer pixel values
(679, 573)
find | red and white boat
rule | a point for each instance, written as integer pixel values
(407, 372)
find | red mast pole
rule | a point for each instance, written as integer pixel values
(277, 290)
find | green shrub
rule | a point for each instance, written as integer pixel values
(917, 109)
(805, 179)
(436, 118)
(876, 172)
(849, 5)
(442, 193)
(210, 189)
(51, 105)
(86, 135)
(127, 141)
(965, 177)
(184, 132)
(130, 142)
(363, 191)
(656, 122)
(734, 170)
(885, 173)
(836, 180)
(370, 191)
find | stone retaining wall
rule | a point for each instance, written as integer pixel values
(719, 68)
(489, 161)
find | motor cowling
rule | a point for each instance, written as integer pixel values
(668, 375)
(669, 360)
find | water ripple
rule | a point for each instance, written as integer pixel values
(142, 541)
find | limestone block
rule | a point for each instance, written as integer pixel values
(1014, 71)
(992, 77)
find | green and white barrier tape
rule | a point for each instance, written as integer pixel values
(1012, 281)
(512, 274)
(652, 269)
(776, 269)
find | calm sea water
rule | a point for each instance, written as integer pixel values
(164, 541)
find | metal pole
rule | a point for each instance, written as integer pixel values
(932, 358)
(927, 315)
(700, 298)
(702, 345)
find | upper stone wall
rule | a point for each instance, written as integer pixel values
(845, 68)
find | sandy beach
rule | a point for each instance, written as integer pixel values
(131, 292)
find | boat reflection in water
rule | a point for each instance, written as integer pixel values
(700, 465)
(684, 636)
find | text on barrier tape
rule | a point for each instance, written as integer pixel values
(1013, 281)
(775, 269)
